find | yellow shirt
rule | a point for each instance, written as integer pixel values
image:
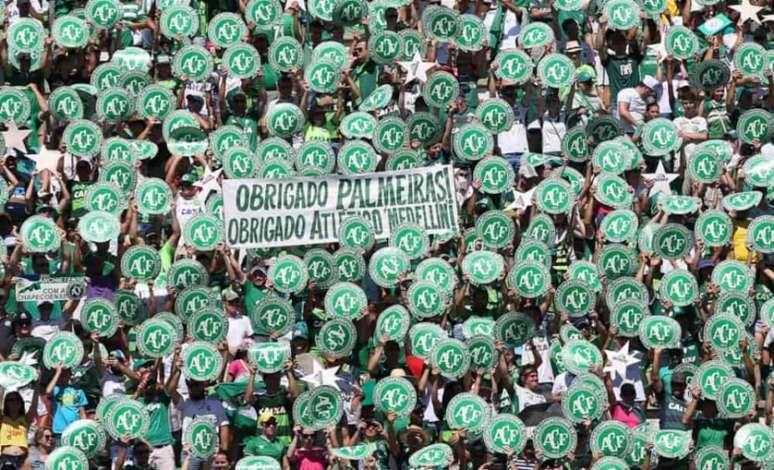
(739, 239)
(13, 432)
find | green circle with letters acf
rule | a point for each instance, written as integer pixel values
(288, 274)
(722, 148)
(435, 455)
(86, 435)
(334, 51)
(242, 60)
(275, 148)
(17, 374)
(751, 59)
(350, 265)
(574, 298)
(575, 144)
(40, 234)
(105, 76)
(82, 138)
(483, 267)
(315, 158)
(381, 97)
(496, 175)
(69, 31)
(741, 201)
(194, 62)
(186, 273)
(115, 104)
(660, 137)
(63, 349)
(209, 325)
(301, 413)
(620, 226)
(153, 196)
(672, 444)
(754, 125)
(568, 5)
(121, 174)
(653, 8)
(26, 35)
(478, 326)
(345, 300)
(65, 104)
(766, 312)
(193, 299)
(99, 316)
(424, 127)
(705, 165)
(514, 329)
(439, 272)
(384, 47)
(155, 101)
(611, 157)
(440, 23)
(529, 279)
(423, 337)
(554, 196)
(679, 287)
(533, 250)
(68, 457)
(99, 226)
(451, 357)
(322, 9)
(733, 276)
(737, 304)
(411, 239)
(504, 433)
(226, 29)
(711, 375)
(495, 229)
(627, 315)
(556, 70)
(141, 263)
(321, 267)
(202, 361)
(513, 65)
(426, 300)
(285, 54)
(723, 331)
(581, 356)
(133, 59)
(587, 272)
(357, 233)
(611, 439)
(269, 357)
(14, 105)
(264, 13)
(760, 234)
(735, 398)
(755, 440)
(471, 33)
(179, 21)
(357, 157)
(681, 43)
(143, 149)
(337, 337)
(611, 463)
(117, 149)
(711, 458)
(603, 128)
(483, 352)
(358, 125)
(495, 114)
(349, 12)
(325, 405)
(323, 76)
(622, 14)
(672, 241)
(239, 162)
(536, 34)
(640, 448)
(659, 331)
(541, 228)
(759, 171)
(393, 323)
(103, 14)
(273, 314)
(440, 89)
(106, 197)
(555, 437)
(413, 43)
(396, 395)
(613, 191)
(127, 418)
(203, 232)
(390, 134)
(467, 411)
(130, 308)
(201, 437)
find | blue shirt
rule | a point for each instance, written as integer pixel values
(68, 402)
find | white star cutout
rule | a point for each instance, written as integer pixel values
(747, 12)
(768, 18)
(208, 184)
(322, 376)
(662, 179)
(416, 69)
(619, 361)
(14, 138)
(46, 159)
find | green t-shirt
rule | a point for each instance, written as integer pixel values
(263, 447)
(278, 406)
(718, 119)
(253, 295)
(712, 431)
(365, 75)
(159, 433)
(249, 125)
(78, 198)
(623, 72)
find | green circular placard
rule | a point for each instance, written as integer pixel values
(40, 234)
(385, 47)
(760, 234)
(130, 308)
(495, 229)
(396, 395)
(554, 196)
(65, 104)
(556, 70)
(156, 338)
(202, 361)
(288, 274)
(86, 435)
(356, 157)
(423, 336)
(179, 21)
(471, 33)
(732, 275)
(620, 226)
(345, 300)
(153, 196)
(63, 349)
(411, 239)
(755, 440)
(505, 432)
(100, 316)
(483, 267)
(26, 35)
(440, 89)
(627, 315)
(226, 29)
(555, 437)
(754, 125)
(536, 34)
(750, 59)
(209, 325)
(622, 14)
(390, 134)
(142, 263)
(660, 137)
(285, 54)
(82, 138)
(451, 357)
(104, 14)
(273, 314)
(350, 264)
(356, 233)
(514, 329)
(513, 65)
(70, 31)
(381, 97)
(426, 300)
(186, 273)
(679, 287)
(575, 298)
(672, 241)
(193, 62)
(681, 42)
(69, 457)
(242, 61)
(705, 165)
(393, 323)
(203, 232)
(659, 331)
(467, 411)
(611, 439)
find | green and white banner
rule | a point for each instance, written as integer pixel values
(309, 210)
(49, 288)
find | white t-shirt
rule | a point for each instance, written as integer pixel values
(239, 329)
(527, 397)
(562, 383)
(636, 104)
(695, 124)
(46, 329)
(187, 208)
(553, 133)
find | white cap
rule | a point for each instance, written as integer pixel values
(650, 82)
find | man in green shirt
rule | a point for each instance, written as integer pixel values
(159, 436)
(267, 444)
(364, 72)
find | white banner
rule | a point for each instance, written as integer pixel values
(50, 288)
(308, 210)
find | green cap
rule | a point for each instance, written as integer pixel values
(189, 178)
(585, 73)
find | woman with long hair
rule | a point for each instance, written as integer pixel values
(14, 426)
(41, 447)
